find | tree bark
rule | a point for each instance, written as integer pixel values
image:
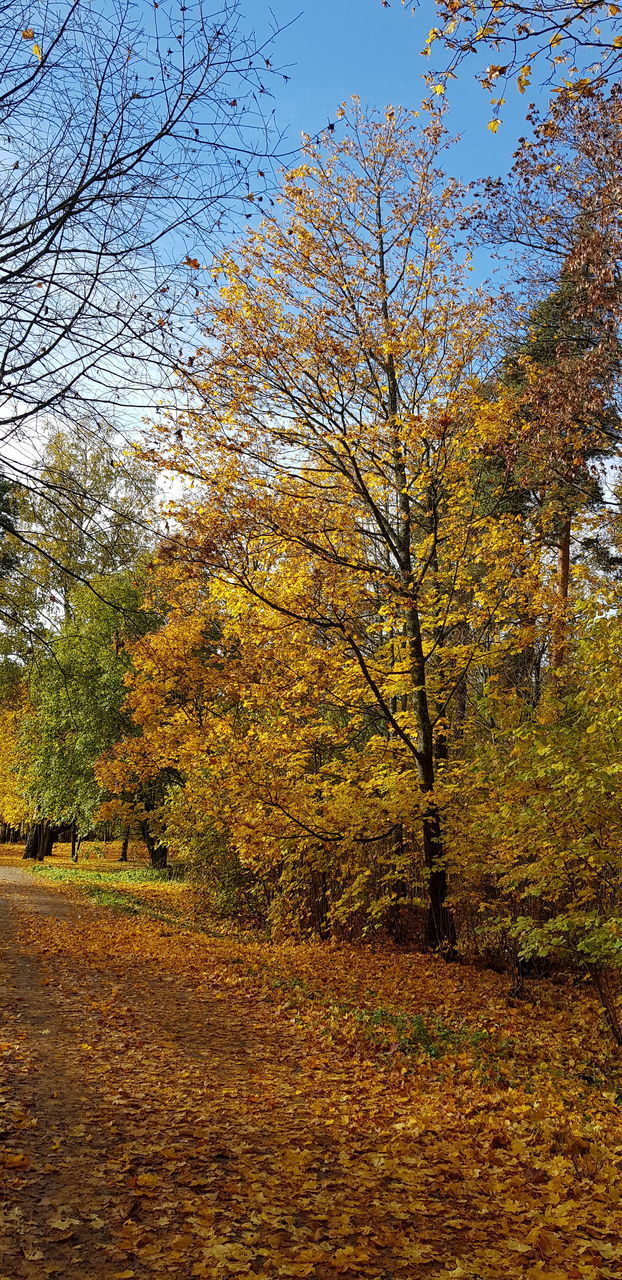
(33, 840)
(560, 625)
(40, 840)
(440, 928)
(125, 845)
(319, 892)
(49, 836)
(158, 852)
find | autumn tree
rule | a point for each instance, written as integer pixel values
(335, 438)
(568, 47)
(15, 804)
(535, 818)
(558, 210)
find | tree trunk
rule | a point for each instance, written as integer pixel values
(74, 842)
(125, 845)
(319, 895)
(158, 852)
(33, 842)
(560, 625)
(50, 834)
(440, 929)
(605, 988)
(40, 840)
(441, 933)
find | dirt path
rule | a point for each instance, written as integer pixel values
(163, 1110)
(45, 1155)
(156, 1127)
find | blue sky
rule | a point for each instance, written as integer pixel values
(340, 47)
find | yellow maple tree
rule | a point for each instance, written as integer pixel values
(339, 455)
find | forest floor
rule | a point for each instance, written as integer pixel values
(202, 1104)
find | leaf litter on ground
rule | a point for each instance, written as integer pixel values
(219, 1106)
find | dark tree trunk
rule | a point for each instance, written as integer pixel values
(125, 845)
(50, 835)
(399, 918)
(560, 627)
(74, 842)
(440, 931)
(319, 893)
(158, 852)
(440, 928)
(33, 842)
(40, 840)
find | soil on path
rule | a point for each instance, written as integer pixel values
(163, 1110)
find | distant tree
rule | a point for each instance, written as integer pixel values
(564, 374)
(77, 696)
(88, 513)
(85, 514)
(558, 210)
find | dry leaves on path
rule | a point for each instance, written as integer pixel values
(207, 1107)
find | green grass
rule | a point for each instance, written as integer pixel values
(80, 874)
(414, 1034)
(112, 886)
(128, 904)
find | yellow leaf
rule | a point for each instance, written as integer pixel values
(37, 52)
(523, 78)
(17, 1161)
(494, 125)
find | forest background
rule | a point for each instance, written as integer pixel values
(311, 564)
